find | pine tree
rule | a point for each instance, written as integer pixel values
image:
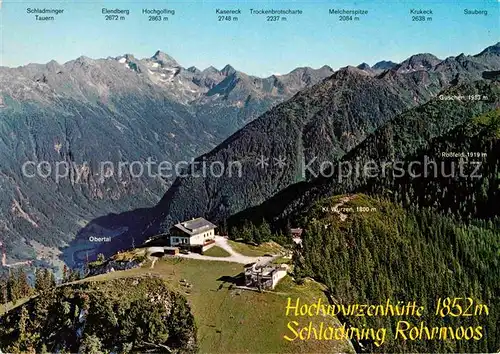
(25, 288)
(256, 235)
(65, 274)
(247, 232)
(39, 280)
(234, 233)
(265, 231)
(50, 279)
(101, 258)
(223, 228)
(12, 288)
(3, 290)
(91, 344)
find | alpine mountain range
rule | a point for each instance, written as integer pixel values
(126, 109)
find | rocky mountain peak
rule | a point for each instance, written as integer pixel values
(164, 59)
(424, 61)
(494, 49)
(84, 60)
(384, 65)
(193, 69)
(210, 70)
(364, 66)
(228, 70)
(54, 65)
(348, 71)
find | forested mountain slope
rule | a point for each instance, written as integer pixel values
(397, 141)
(382, 251)
(460, 172)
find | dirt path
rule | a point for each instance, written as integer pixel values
(234, 257)
(11, 265)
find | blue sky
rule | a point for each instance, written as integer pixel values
(194, 37)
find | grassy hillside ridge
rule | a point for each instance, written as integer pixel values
(383, 251)
(231, 320)
(227, 319)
